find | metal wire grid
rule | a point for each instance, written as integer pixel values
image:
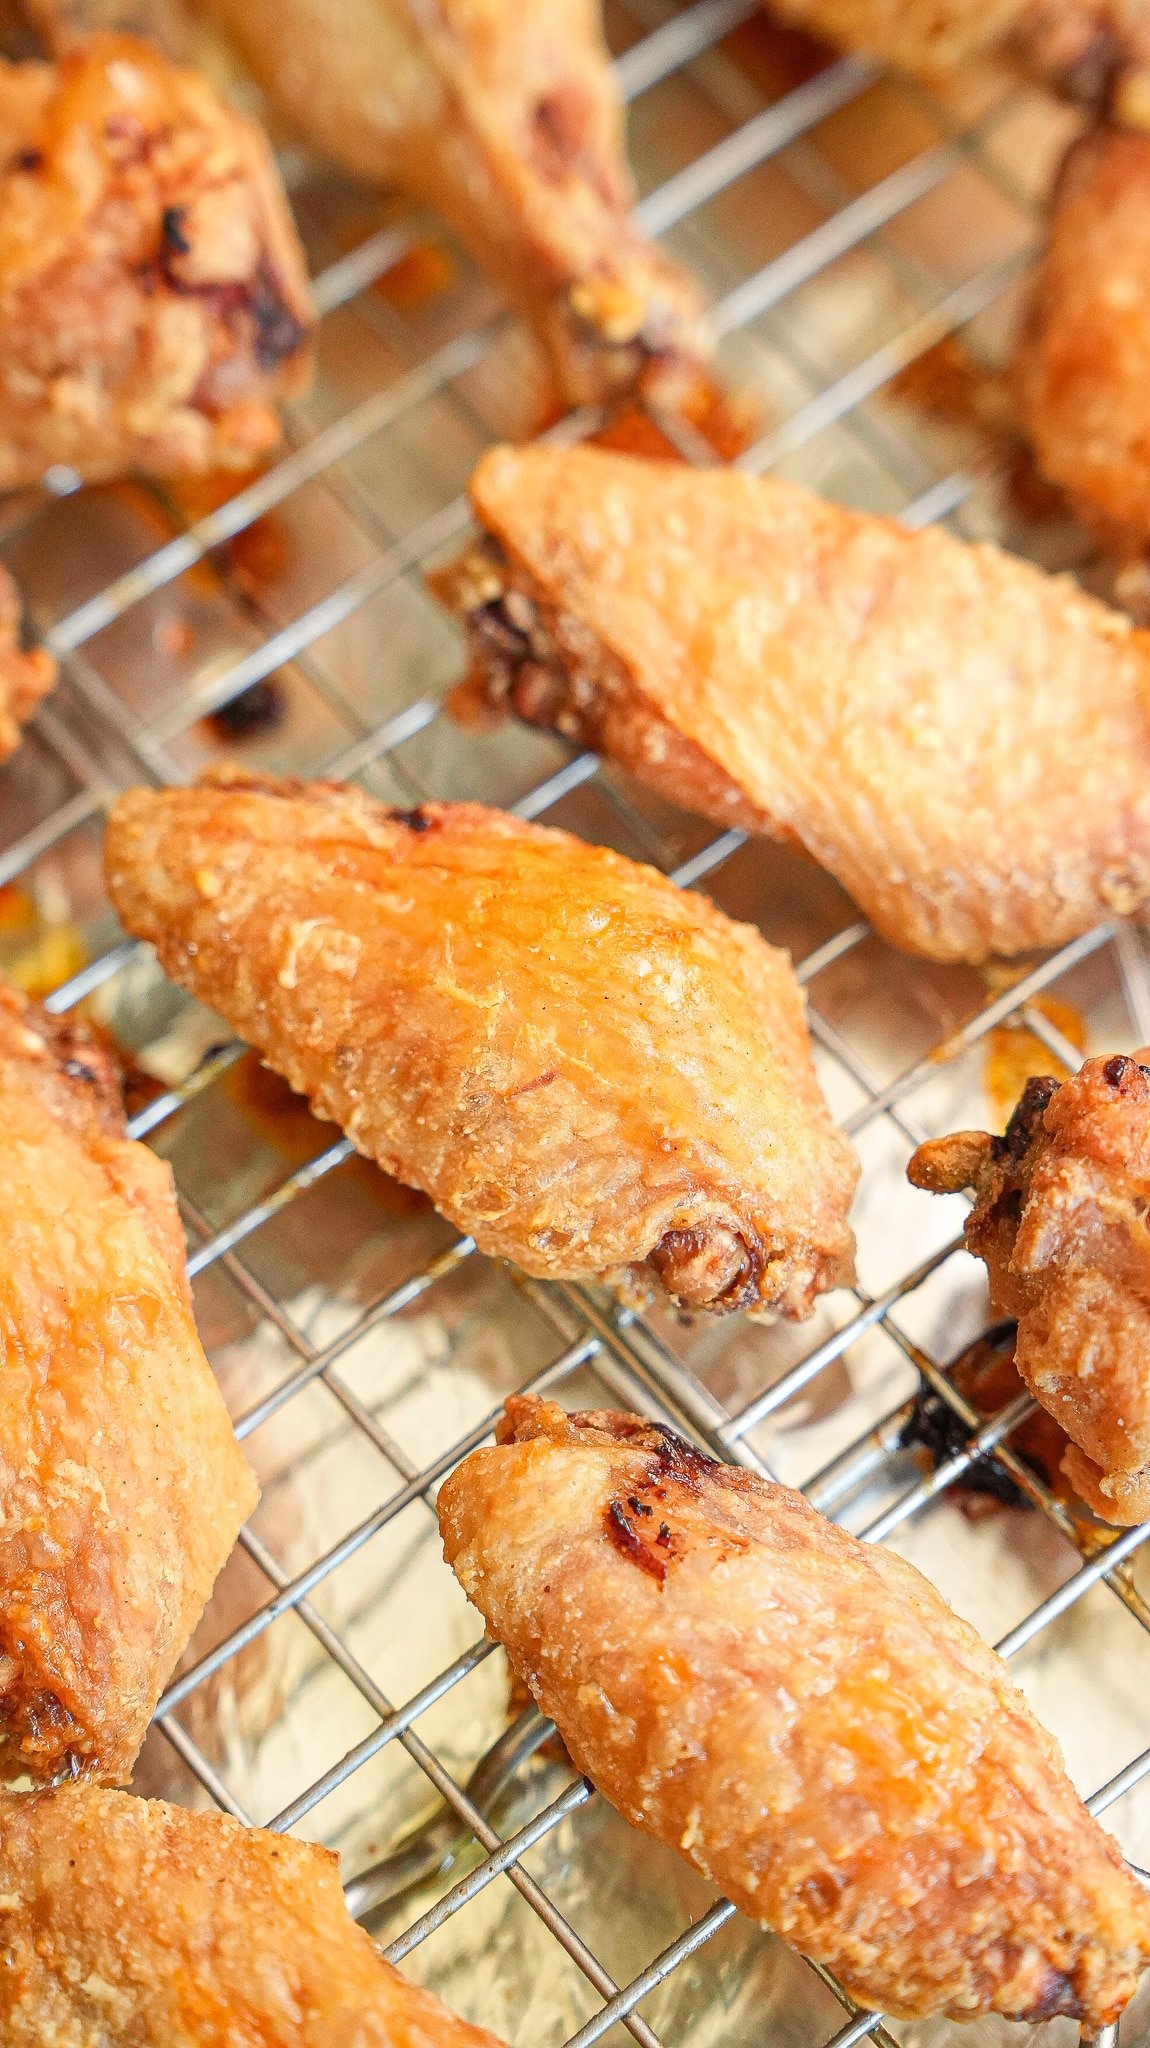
(629, 1354)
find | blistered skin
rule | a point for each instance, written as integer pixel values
(1059, 1217)
(588, 1070)
(963, 741)
(26, 674)
(121, 1484)
(126, 1923)
(798, 1712)
(1082, 373)
(154, 307)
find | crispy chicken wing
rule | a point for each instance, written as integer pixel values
(1060, 1218)
(153, 297)
(963, 741)
(1082, 372)
(798, 1712)
(26, 674)
(121, 1484)
(126, 1923)
(505, 118)
(587, 1069)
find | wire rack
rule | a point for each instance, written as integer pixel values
(845, 225)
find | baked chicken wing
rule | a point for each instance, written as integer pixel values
(26, 674)
(587, 1069)
(962, 740)
(121, 1484)
(798, 1712)
(1082, 372)
(1060, 1218)
(505, 118)
(153, 297)
(126, 1923)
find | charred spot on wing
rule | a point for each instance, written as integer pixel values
(415, 820)
(1028, 1113)
(631, 1545)
(278, 332)
(172, 233)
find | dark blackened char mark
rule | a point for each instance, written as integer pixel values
(1028, 1113)
(172, 230)
(1121, 1069)
(278, 333)
(630, 1544)
(415, 821)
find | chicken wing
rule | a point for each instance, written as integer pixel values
(153, 297)
(1060, 1218)
(1082, 371)
(121, 1484)
(505, 118)
(26, 674)
(798, 1712)
(590, 1071)
(126, 1921)
(963, 741)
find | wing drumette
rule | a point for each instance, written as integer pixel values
(121, 1484)
(26, 674)
(153, 298)
(798, 1712)
(963, 741)
(128, 1921)
(1060, 1218)
(504, 117)
(587, 1069)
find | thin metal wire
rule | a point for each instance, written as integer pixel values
(625, 1350)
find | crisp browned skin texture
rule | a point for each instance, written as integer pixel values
(154, 306)
(121, 1484)
(26, 675)
(126, 1923)
(798, 1712)
(1082, 46)
(587, 1069)
(963, 741)
(504, 117)
(1060, 1218)
(1082, 374)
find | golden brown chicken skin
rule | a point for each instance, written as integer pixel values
(154, 307)
(121, 1484)
(26, 674)
(505, 118)
(1082, 372)
(590, 1071)
(1090, 48)
(962, 740)
(798, 1712)
(126, 1923)
(1060, 1219)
